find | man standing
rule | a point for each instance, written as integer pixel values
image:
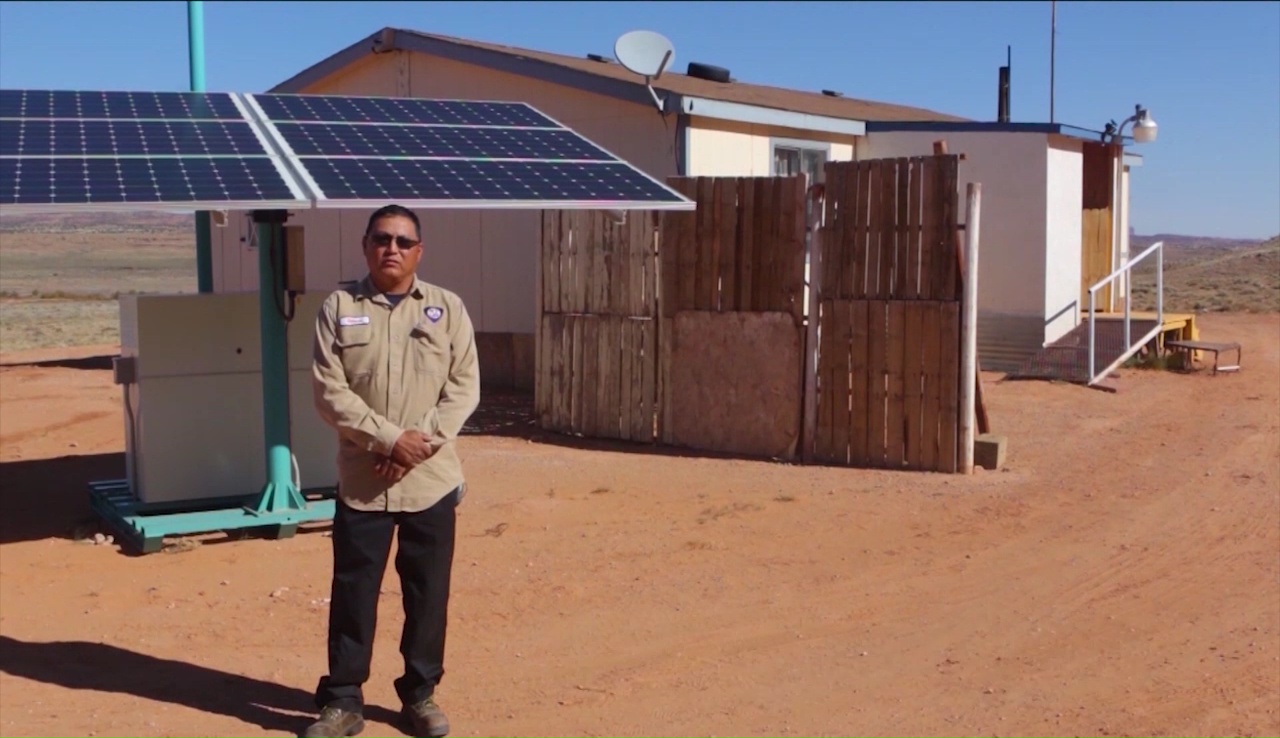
(396, 374)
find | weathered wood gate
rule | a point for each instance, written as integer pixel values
(597, 334)
(732, 306)
(709, 359)
(889, 348)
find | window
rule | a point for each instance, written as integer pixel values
(791, 159)
(801, 157)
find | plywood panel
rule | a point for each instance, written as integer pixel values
(735, 383)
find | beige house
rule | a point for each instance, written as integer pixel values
(706, 128)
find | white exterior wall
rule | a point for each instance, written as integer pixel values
(1064, 224)
(720, 148)
(1013, 169)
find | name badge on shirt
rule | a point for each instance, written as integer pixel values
(434, 314)
(354, 320)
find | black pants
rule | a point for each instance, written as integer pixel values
(424, 561)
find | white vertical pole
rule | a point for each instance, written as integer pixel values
(969, 329)
(1160, 285)
(1092, 336)
(811, 336)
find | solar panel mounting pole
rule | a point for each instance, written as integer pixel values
(195, 48)
(280, 493)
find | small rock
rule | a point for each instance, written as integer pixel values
(111, 540)
(988, 690)
(73, 444)
(224, 582)
(863, 653)
(280, 592)
(99, 539)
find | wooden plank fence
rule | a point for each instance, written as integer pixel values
(889, 322)
(742, 250)
(597, 333)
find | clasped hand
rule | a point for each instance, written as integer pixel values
(412, 448)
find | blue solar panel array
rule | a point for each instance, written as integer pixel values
(123, 150)
(71, 150)
(429, 153)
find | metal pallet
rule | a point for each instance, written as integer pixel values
(143, 526)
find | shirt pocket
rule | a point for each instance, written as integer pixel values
(358, 354)
(430, 345)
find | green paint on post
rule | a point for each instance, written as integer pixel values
(204, 236)
(280, 493)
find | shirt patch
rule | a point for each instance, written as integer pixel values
(434, 314)
(354, 320)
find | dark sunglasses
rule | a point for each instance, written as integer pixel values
(383, 240)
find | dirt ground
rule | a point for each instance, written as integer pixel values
(1120, 577)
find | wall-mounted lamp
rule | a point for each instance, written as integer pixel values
(1144, 127)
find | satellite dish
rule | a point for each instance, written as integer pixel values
(647, 54)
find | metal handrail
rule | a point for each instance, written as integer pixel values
(1130, 348)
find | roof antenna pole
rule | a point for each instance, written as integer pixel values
(1053, 52)
(661, 102)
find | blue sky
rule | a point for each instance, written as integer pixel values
(1209, 72)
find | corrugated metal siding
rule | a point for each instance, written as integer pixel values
(1006, 341)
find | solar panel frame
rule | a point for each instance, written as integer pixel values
(11, 193)
(673, 200)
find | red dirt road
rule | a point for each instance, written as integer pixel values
(1122, 577)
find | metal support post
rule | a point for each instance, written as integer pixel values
(280, 492)
(204, 238)
(1092, 331)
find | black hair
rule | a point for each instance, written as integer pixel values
(388, 211)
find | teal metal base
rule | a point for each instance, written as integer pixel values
(142, 527)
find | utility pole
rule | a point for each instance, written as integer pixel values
(1053, 52)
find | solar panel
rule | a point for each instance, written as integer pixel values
(185, 181)
(336, 109)
(137, 105)
(81, 150)
(329, 139)
(450, 153)
(127, 138)
(471, 183)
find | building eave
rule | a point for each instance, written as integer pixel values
(930, 126)
(742, 113)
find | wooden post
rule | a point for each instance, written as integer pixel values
(810, 417)
(984, 421)
(969, 329)
(540, 389)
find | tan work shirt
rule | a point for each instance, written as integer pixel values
(379, 370)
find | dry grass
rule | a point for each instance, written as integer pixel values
(60, 275)
(1214, 278)
(59, 288)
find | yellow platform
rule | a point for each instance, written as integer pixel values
(1177, 326)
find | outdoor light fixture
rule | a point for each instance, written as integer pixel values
(1144, 127)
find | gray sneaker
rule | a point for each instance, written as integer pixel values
(428, 719)
(335, 722)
